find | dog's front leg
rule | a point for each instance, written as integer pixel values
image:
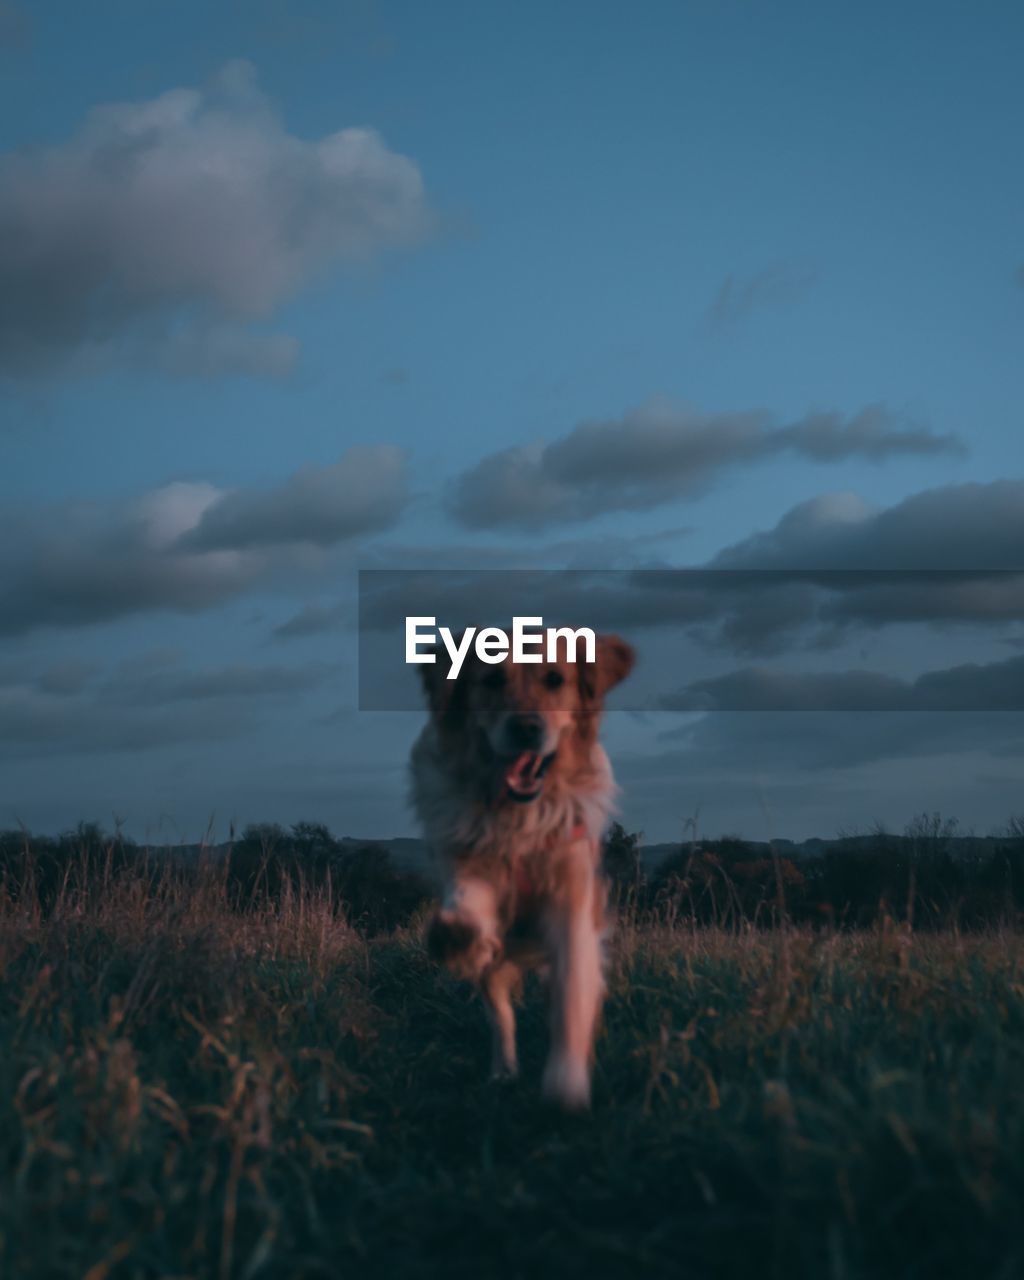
(464, 934)
(577, 989)
(497, 986)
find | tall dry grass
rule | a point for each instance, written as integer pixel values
(198, 1085)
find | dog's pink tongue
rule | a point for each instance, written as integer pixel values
(522, 770)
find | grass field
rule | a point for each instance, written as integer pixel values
(189, 1090)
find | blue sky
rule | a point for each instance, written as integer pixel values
(722, 209)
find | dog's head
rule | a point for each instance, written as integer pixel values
(517, 721)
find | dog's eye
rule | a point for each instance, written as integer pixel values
(494, 679)
(554, 680)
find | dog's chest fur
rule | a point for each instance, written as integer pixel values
(508, 843)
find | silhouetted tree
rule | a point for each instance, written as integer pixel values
(623, 864)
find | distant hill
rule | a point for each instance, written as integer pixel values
(801, 850)
(406, 852)
(409, 853)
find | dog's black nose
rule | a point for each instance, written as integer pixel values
(524, 733)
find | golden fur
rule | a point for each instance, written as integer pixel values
(514, 792)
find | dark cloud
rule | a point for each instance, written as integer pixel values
(602, 599)
(992, 686)
(780, 284)
(953, 554)
(363, 492)
(696, 618)
(983, 596)
(953, 527)
(313, 619)
(660, 454)
(479, 595)
(238, 680)
(756, 612)
(91, 562)
(797, 774)
(68, 678)
(778, 742)
(769, 611)
(162, 229)
(145, 704)
(589, 551)
(186, 546)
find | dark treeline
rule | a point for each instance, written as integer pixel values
(267, 862)
(928, 877)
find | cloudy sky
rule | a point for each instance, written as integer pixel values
(293, 289)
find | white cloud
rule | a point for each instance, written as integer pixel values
(361, 493)
(189, 546)
(969, 527)
(162, 229)
(661, 453)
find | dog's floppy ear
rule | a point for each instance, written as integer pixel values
(614, 660)
(445, 697)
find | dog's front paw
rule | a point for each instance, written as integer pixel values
(457, 942)
(503, 1072)
(566, 1083)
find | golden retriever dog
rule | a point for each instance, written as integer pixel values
(514, 793)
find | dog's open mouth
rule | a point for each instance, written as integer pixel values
(524, 776)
